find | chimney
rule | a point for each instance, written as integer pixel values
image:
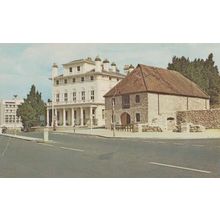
(126, 67)
(130, 69)
(113, 65)
(98, 67)
(106, 65)
(54, 71)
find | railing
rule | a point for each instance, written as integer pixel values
(129, 127)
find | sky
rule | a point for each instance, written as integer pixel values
(22, 65)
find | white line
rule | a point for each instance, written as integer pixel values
(178, 167)
(6, 148)
(46, 144)
(148, 141)
(160, 142)
(67, 148)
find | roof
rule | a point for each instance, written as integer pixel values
(80, 61)
(156, 80)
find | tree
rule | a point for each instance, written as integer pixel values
(203, 72)
(31, 110)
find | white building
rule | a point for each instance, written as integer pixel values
(78, 92)
(8, 117)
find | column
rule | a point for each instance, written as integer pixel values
(48, 118)
(55, 117)
(64, 117)
(73, 120)
(90, 116)
(81, 116)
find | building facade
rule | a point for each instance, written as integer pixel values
(78, 92)
(152, 96)
(8, 116)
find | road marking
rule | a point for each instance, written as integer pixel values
(178, 167)
(74, 149)
(160, 142)
(6, 148)
(178, 144)
(148, 141)
(46, 144)
(197, 145)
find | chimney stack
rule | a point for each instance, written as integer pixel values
(106, 65)
(98, 66)
(113, 65)
(54, 71)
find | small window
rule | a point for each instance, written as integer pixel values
(93, 111)
(103, 113)
(117, 79)
(137, 98)
(74, 80)
(138, 117)
(57, 82)
(91, 78)
(110, 78)
(71, 69)
(74, 96)
(82, 79)
(113, 101)
(78, 68)
(83, 96)
(92, 95)
(65, 97)
(65, 81)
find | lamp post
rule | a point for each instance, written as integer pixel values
(15, 97)
(53, 122)
(113, 116)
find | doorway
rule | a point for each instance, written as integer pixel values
(125, 118)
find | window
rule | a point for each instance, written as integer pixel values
(57, 82)
(83, 96)
(82, 79)
(74, 80)
(138, 117)
(110, 78)
(113, 101)
(78, 68)
(71, 69)
(117, 79)
(57, 97)
(65, 97)
(74, 96)
(92, 95)
(103, 113)
(93, 111)
(91, 78)
(137, 98)
(65, 81)
(125, 101)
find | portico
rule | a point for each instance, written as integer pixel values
(73, 116)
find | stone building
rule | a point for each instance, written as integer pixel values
(77, 92)
(152, 96)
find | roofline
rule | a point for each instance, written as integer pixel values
(154, 92)
(79, 62)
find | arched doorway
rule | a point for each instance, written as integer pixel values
(125, 118)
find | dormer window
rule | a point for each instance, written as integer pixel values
(71, 69)
(78, 68)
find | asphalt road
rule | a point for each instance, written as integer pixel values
(74, 155)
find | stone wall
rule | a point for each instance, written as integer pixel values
(140, 107)
(208, 118)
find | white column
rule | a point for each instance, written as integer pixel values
(55, 117)
(90, 115)
(64, 117)
(48, 118)
(81, 116)
(73, 117)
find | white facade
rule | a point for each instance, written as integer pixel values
(8, 117)
(78, 92)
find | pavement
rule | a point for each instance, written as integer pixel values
(211, 133)
(78, 155)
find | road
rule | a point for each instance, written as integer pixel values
(74, 155)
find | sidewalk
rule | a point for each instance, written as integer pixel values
(39, 140)
(212, 133)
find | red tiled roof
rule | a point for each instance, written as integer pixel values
(156, 80)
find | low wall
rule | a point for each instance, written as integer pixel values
(208, 118)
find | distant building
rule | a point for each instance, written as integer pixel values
(8, 117)
(78, 92)
(150, 95)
